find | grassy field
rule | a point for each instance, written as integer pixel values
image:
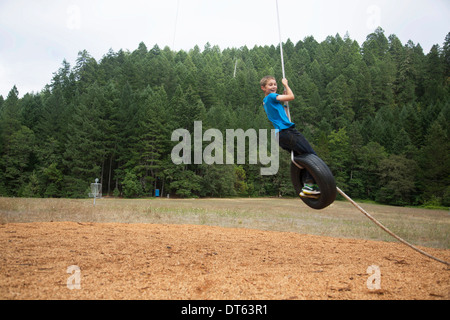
(419, 226)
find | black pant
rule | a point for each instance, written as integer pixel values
(292, 140)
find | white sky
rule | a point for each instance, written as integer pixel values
(36, 36)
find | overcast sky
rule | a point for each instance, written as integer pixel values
(36, 36)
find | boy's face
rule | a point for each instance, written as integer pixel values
(270, 87)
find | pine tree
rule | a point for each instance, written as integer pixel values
(446, 56)
(83, 157)
(435, 163)
(340, 156)
(16, 160)
(434, 75)
(10, 117)
(372, 155)
(150, 145)
(338, 102)
(397, 176)
(126, 119)
(11, 132)
(85, 71)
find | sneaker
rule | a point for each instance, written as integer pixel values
(310, 196)
(311, 189)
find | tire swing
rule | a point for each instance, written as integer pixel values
(310, 162)
(321, 174)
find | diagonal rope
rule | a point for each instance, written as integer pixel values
(387, 230)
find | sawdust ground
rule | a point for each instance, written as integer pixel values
(178, 262)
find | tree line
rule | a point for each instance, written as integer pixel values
(376, 113)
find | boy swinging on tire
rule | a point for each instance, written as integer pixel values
(290, 138)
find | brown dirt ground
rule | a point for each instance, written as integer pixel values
(178, 262)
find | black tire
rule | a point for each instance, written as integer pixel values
(321, 174)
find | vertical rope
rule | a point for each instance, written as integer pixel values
(288, 112)
(176, 25)
(281, 42)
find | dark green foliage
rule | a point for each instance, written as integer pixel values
(378, 113)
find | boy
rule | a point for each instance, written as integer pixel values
(290, 139)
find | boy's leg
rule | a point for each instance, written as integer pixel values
(293, 140)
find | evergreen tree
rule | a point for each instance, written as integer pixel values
(10, 117)
(85, 71)
(435, 164)
(16, 160)
(83, 156)
(339, 104)
(150, 144)
(446, 56)
(434, 75)
(340, 156)
(11, 132)
(397, 180)
(372, 155)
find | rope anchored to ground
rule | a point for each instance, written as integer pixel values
(389, 231)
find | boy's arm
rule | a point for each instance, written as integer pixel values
(288, 94)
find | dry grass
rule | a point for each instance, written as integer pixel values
(418, 226)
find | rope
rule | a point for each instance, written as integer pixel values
(176, 25)
(387, 230)
(339, 190)
(281, 44)
(288, 113)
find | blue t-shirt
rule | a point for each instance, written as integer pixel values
(276, 113)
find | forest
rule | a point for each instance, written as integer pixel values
(377, 113)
